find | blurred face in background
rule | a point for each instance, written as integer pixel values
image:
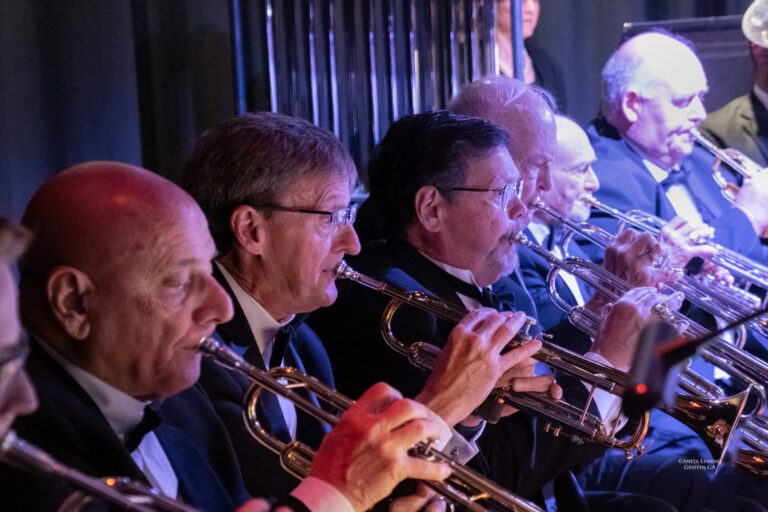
(530, 11)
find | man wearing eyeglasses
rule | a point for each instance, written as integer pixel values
(116, 294)
(276, 191)
(451, 195)
(17, 397)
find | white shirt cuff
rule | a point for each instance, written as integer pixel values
(607, 403)
(460, 448)
(320, 496)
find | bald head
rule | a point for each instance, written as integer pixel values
(93, 214)
(572, 176)
(570, 136)
(527, 113)
(118, 277)
(653, 95)
(644, 64)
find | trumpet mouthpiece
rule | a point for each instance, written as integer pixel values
(521, 239)
(342, 271)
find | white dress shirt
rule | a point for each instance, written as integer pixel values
(609, 405)
(123, 413)
(540, 232)
(264, 329)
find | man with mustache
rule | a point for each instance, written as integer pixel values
(653, 88)
(276, 191)
(451, 198)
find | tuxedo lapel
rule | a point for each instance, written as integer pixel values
(424, 271)
(198, 486)
(238, 335)
(82, 430)
(756, 124)
(309, 430)
(236, 331)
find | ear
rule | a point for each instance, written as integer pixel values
(247, 225)
(70, 297)
(428, 202)
(630, 103)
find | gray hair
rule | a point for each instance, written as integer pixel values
(256, 159)
(13, 240)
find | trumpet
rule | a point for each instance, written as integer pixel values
(745, 269)
(464, 487)
(727, 302)
(736, 160)
(122, 493)
(705, 409)
(562, 418)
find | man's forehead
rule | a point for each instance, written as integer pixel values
(317, 188)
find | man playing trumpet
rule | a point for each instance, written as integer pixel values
(116, 294)
(276, 191)
(450, 196)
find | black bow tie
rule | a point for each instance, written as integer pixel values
(676, 176)
(485, 296)
(554, 238)
(148, 423)
(280, 345)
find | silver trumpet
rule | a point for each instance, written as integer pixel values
(734, 301)
(704, 409)
(464, 487)
(121, 493)
(736, 160)
(561, 417)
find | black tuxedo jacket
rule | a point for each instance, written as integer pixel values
(515, 452)
(741, 124)
(626, 184)
(70, 427)
(261, 468)
(535, 270)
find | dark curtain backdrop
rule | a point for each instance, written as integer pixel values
(135, 80)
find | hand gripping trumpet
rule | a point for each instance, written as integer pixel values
(561, 417)
(464, 487)
(741, 267)
(735, 159)
(704, 409)
(730, 358)
(724, 301)
(120, 493)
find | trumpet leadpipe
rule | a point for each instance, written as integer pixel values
(121, 493)
(464, 487)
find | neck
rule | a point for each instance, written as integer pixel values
(252, 278)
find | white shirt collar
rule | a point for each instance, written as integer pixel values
(122, 411)
(539, 230)
(762, 95)
(262, 325)
(459, 273)
(657, 172)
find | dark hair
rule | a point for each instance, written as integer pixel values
(428, 149)
(256, 159)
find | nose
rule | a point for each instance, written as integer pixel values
(20, 396)
(697, 113)
(516, 209)
(216, 306)
(544, 181)
(591, 183)
(346, 240)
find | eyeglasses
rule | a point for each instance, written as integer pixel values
(335, 218)
(12, 361)
(507, 192)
